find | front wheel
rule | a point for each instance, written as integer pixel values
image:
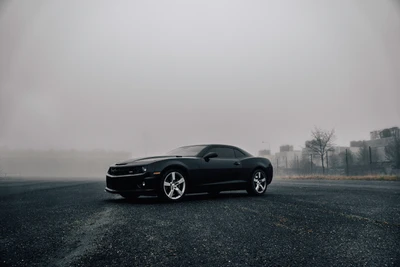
(258, 183)
(173, 185)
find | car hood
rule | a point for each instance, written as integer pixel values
(144, 161)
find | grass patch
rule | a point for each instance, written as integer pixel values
(342, 177)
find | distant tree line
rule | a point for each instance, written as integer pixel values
(320, 148)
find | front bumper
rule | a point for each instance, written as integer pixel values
(140, 184)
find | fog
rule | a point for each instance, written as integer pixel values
(148, 76)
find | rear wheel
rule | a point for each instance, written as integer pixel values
(258, 183)
(173, 185)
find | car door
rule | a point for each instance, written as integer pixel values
(222, 169)
(242, 173)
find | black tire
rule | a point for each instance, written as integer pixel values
(130, 196)
(257, 183)
(176, 190)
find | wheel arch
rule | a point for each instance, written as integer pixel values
(263, 168)
(266, 167)
(176, 166)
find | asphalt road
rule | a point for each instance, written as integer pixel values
(297, 223)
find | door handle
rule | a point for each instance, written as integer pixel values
(236, 163)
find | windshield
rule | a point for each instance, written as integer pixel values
(188, 151)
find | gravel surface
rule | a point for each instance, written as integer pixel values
(296, 223)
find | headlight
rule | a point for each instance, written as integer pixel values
(144, 168)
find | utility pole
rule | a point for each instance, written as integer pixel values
(347, 164)
(370, 160)
(311, 163)
(327, 163)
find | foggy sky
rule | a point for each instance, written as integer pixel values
(148, 76)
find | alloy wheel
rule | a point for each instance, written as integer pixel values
(174, 185)
(259, 182)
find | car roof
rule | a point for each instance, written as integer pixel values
(223, 145)
(211, 145)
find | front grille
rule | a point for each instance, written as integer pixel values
(126, 170)
(124, 183)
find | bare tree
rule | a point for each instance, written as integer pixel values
(321, 142)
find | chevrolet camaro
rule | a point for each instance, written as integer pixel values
(190, 169)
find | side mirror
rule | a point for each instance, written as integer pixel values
(210, 155)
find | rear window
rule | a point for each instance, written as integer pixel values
(239, 154)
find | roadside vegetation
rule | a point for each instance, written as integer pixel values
(378, 158)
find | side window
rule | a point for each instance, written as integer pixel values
(239, 154)
(224, 153)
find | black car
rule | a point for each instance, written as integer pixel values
(191, 169)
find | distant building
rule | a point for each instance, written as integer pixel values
(378, 148)
(287, 157)
(385, 133)
(316, 158)
(342, 149)
(379, 139)
(394, 132)
(285, 148)
(357, 143)
(336, 150)
(374, 135)
(354, 150)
